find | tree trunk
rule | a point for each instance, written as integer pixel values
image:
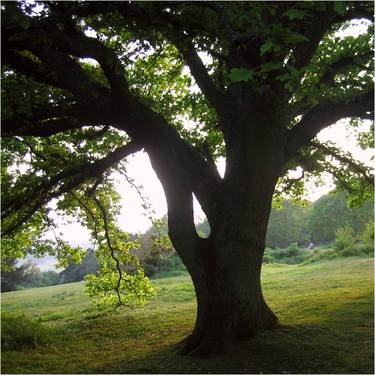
(226, 267)
(230, 302)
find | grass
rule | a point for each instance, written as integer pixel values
(326, 309)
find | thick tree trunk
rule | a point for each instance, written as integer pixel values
(230, 302)
(226, 267)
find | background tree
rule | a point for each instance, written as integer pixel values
(288, 225)
(13, 276)
(331, 211)
(270, 77)
(77, 271)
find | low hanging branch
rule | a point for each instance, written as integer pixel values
(31, 201)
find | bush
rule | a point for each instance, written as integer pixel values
(351, 251)
(291, 255)
(345, 239)
(367, 236)
(322, 254)
(20, 332)
(157, 262)
(267, 257)
(292, 250)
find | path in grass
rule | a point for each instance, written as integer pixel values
(326, 309)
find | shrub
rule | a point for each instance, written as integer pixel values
(322, 254)
(156, 263)
(292, 250)
(290, 255)
(367, 236)
(351, 251)
(267, 257)
(345, 239)
(20, 332)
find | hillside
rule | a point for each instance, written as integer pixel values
(326, 311)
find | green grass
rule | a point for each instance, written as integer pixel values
(326, 309)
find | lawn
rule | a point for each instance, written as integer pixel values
(326, 309)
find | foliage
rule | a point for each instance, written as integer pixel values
(13, 276)
(77, 271)
(348, 244)
(331, 212)
(157, 264)
(345, 238)
(288, 225)
(18, 332)
(27, 275)
(40, 279)
(367, 236)
(156, 252)
(291, 255)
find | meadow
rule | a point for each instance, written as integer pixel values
(326, 311)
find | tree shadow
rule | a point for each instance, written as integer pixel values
(340, 341)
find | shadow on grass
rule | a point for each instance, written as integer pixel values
(340, 341)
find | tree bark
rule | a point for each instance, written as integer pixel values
(230, 302)
(226, 267)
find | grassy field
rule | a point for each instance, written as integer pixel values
(326, 309)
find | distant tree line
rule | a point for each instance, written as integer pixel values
(329, 220)
(316, 222)
(27, 275)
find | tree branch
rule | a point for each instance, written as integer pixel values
(55, 68)
(317, 27)
(63, 182)
(353, 165)
(325, 114)
(77, 43)
(11, 128)
(215, 97)
(291, 181)
(343, 63)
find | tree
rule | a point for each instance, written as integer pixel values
(12, 276)
(288, 225)
(331, 211)
(270, 75)
(77, 272)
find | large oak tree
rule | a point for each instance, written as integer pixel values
(186, 82)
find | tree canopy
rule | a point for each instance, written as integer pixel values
(85, 84)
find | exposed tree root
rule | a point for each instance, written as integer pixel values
(210, 344)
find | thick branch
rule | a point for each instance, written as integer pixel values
(203, 79)
(11, 128)
(55, 69)
(325, 114)
(78, 44)
(63, 182)
(344, 63)
(315, 29)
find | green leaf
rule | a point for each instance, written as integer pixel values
(273, 65)
(240, 75)
(266, 47)
(339, 7)
(295, 14)
(294, 38)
